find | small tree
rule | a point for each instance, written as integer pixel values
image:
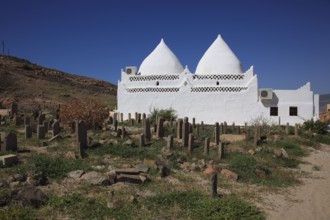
(315, 126)
(167, 114)
(89, 110)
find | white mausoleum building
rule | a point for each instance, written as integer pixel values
(218, 91)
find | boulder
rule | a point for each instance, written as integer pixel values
(76, 174)
(229, 174)
(31, 196)
(96, 178)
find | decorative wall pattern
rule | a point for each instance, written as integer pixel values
(219, 77)
(153, 77)
(152, 89)
(218, 89)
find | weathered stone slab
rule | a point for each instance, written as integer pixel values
(9, 160)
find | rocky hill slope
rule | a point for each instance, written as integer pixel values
(31, 85)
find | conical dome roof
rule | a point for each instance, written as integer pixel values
(161, 61)
(218, 59)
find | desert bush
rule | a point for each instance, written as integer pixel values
(167, 114)
(55, 167)
(89, 110)
(315, 126)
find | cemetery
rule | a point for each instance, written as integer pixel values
(67, 163)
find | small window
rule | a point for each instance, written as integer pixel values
(293, 111)
(273, 111)
(217, 83)
(157, 83)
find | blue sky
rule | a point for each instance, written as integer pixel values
(287, 41)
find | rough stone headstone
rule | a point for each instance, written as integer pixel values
(207, 146)
(46, 126)
(146, 129)
(56, 128)
(233, 128)
(225, 127)
(141, 140)
(17, 120)
(214, 181)
(194, 123)
(296, 130)
(123, 132)
(170, 141)
(221, 151)
(81, 133)
(13, 109)
(41, 119)
(202, 125)
(139, 118)
(287, 129)
(197, 132)
(115, 117)
(160, 127)
(41, 131)
(216, 133)
(185, 132)
(144, 116)
(238, 130)
(116, 124)
(121, 117)
(10, 142)
(28, 131)
(132, 122)
(255, 140)
(129, 117)
(27, 120)
(81, 150)
(247, 134)
(179, 128)
(191, 143)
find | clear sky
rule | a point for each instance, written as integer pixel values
(287, 41)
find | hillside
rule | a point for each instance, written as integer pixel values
(31, 85)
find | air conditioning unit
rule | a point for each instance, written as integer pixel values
(265, 94)
(131, 70)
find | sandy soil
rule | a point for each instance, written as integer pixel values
(311, 199)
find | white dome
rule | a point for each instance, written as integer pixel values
(218, 59)
(161, 61)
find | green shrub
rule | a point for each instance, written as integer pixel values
(292, 148)
(166, 114)
(316, 127)
(126, 151)
(56, 167)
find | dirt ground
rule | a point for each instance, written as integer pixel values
(311, 199)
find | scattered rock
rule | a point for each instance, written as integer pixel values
(284, 153)
(56, 137)
(129, 142)
(131, 178)
(150, 163)
(31, 196)
(142, 168)
(261, 172)
(76, 174)
(210, 170)
(258, 149)
(229, 174)
(95, 178)
(251, 152)
(182, 159)
(36, 179)
(277, 153)
(70, 155)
